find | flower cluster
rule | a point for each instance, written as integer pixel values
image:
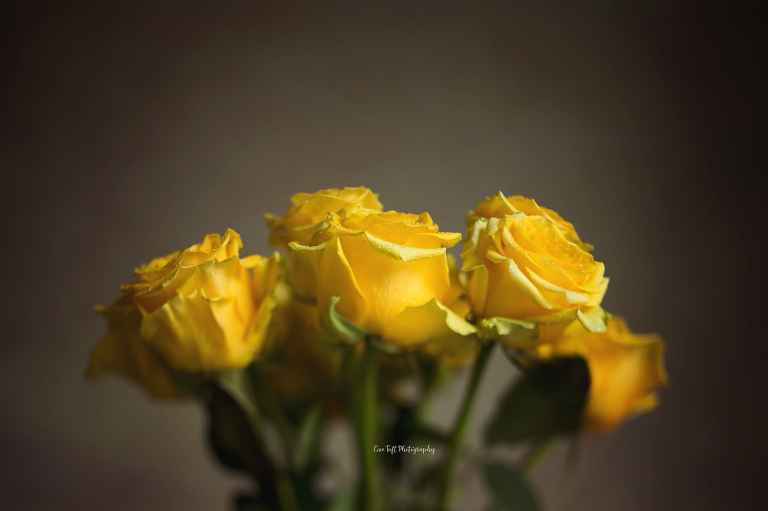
(359, 279)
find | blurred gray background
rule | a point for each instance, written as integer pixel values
(129, 130)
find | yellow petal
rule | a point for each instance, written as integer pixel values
(303, 218)
(626, 370)
(499, 206)
(378, 263)
(433, 326)
(402, 252)
(322, 272)
(198, 334)
(123, 350)
(389, 284)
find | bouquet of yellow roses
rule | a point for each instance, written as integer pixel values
(361, 320)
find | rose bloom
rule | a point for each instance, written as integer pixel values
(200, 310)
(392, 274)
(308, 210)
(532, 268)
(625, 369)
(500, 206)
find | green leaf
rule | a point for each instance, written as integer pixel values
(308, 441)
(508, 488)
(338, 328)
(546, 402)
(232, 437)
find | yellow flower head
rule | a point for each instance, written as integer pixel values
(392, 274)
(526, 267)
(200, 310)
(625, 368)
(309, 210)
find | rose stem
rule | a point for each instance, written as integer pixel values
(284, 484)
(276, 413)
(367, 426)
(461, 424)
(536, 455)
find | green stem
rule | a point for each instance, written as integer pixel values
(275, 412)
(428, 380)
(286, 494)
(367, 428)
(285, 490)
(462, 423)
(536, 455)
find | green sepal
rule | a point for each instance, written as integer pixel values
(512, 333)
(593, 319)
(339, 329)
(236, 383)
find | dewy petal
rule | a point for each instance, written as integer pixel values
(505, 297)
(458, 287)
(528, 287)
(499, 205)
(477, 290)
(472, 252)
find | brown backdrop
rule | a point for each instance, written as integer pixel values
(131, 130)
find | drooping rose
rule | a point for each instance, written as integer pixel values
(626, 369)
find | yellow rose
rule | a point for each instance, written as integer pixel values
(523, 267)
(200, 310)
(625, 370)
(499, 206)
(302, 220)
(392, 274)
